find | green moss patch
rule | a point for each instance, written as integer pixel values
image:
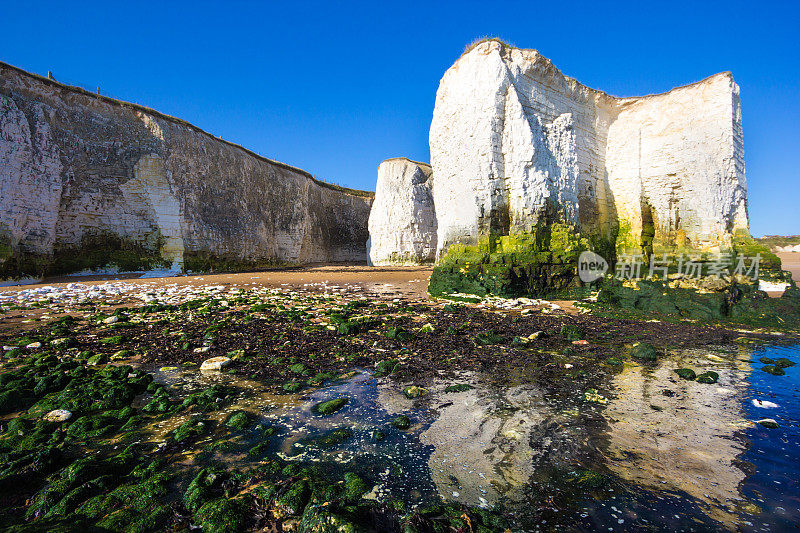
(542, 262)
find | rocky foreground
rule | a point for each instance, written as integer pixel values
(91, 440)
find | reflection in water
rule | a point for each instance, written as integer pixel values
(664, 453)
(481, 441)
(667, 433)
(774, 454)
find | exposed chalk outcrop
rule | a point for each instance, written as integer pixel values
(402, 222)
(88, 178)
(515, 144)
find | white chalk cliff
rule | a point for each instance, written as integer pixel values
(83, 176)
(515, 143)
(402, 221)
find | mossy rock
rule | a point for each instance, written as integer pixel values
(91, 426)
(97, 360)
(319, 519)
(238, 420)
(686, 373)
(292, 502)
(122, 354)
(384, 368)
(211, 399)
(354, 486)
(62, 343)
(783, 362)
(203, 487)
(190, 429)
(159, 404)
(414, 392)
(329, 440)
(774, 370)
(329, 407)
(644, 352)
(401, 422)
(708, 377)
(398, 333)
(458, 387)
(298, 368)
(767, 360)
(112, 340)
(222, 515)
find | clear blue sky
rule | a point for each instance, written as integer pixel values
(335, 88)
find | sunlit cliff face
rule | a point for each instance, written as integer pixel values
(514, 143)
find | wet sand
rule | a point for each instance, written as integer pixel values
(791, 262)
(408, 282)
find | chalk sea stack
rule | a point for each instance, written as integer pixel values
(402, 222)
(530, 167)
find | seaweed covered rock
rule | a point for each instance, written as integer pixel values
(729, 300)
(412, 392)
(319, 519)
(709, 377)
(222, 515)
(294, 499)
(238, 420)
(644, 352)
(401, 422)
(543, 261)
(773, 369)
(329, 407)
(686, 373)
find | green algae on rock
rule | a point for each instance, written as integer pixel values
(723, 300)
(538, 263)
(708, 377)
(414, 392)
(384, 368)
(773, 369)
(458, 387)
(644, 352)
(329, 407)
(238, 420)
(401, 422)
(190, 429)
(686, 373)
(223, 515)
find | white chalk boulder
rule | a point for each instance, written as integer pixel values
(215, 363)
(58, 415)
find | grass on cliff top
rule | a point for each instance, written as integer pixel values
(480, 40)
(771, 241)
